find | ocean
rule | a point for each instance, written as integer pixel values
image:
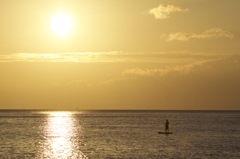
(119, 134)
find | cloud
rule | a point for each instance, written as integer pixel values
(210, 84)
(102, 57)
(213, 84)
(209, 65)
(163, 12)
(153, 72)
(76, 57)
(185, 69)
(184, 63)
(213, 33)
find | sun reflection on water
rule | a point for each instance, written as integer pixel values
(61, 137)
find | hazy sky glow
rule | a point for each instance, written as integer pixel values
(122, 54)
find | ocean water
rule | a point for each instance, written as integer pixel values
(119, 134)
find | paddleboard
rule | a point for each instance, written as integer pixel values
(166, 133)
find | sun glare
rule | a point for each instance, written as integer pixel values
(61, 24)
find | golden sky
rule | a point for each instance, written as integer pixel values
(120, 54)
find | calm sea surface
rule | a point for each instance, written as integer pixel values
(119, 134)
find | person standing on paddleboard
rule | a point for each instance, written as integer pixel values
(167, 126)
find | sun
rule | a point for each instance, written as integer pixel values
(61, 24)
